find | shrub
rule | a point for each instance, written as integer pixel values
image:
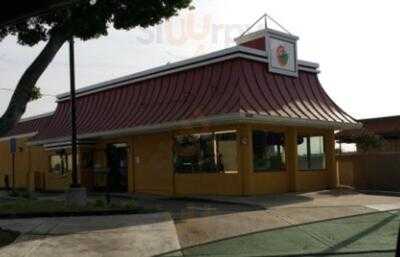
(13, 193)
(99, 203)
(26, 194)
(130, 204)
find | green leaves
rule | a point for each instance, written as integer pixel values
(85, 20)
(36, 94)
(369, 142)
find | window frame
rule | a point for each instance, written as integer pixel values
(309, 135)
(285, 147)
(214, 132)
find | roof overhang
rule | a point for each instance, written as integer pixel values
(226, 119)
(20, 136)
(66, 144)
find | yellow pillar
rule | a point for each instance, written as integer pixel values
(292, 158)
(246, 158)
(333, 178)
(30, 181)
(131, 166)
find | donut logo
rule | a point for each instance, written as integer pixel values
(282, 55)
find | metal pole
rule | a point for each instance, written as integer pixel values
(398, 244)
(73, 114)
(13, 172)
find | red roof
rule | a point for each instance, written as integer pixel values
(29, 125)
(258, 43)
(387, 127)
(236, 86)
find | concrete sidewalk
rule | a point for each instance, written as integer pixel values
(108, 236)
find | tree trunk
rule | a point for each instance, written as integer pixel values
(23, 91)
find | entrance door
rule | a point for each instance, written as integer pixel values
(117, 155)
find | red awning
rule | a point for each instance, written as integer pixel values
(235, 86)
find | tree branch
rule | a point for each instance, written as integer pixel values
(24, 89)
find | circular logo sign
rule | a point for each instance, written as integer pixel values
(282, 55)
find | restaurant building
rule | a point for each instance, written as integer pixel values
(247, 120)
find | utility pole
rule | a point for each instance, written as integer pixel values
(73, 113)
(76, 195)
(13, 150)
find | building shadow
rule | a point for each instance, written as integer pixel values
(336, 249)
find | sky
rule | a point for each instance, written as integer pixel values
(355, 42)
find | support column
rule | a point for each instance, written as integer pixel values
(292, 158)
(246, 159)
(333, 178)
(131, 166)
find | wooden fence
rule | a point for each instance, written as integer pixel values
(370, 171)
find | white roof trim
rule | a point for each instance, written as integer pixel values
(234, 118)
(26, 135)
(259, 34)
(67, 144)
(226, 54)
(47, 114)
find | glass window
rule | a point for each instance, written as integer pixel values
(56, 165)
(311, 153)
(268, 151)
(60, 163)
(206, 152)
(87, 159)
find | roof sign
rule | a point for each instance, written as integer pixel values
(281, 52)
(280, 47)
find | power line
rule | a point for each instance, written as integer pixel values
(12, 91)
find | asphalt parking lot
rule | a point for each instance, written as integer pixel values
(371, 234)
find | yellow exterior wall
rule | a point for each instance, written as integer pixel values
(4, 162)
(150, 165)
(28, 161)
(311, 181)
(153, 164)
(22, 167)
(56, 182)
(270, 182)
(208, 184)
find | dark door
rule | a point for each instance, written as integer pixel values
(117, 155)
